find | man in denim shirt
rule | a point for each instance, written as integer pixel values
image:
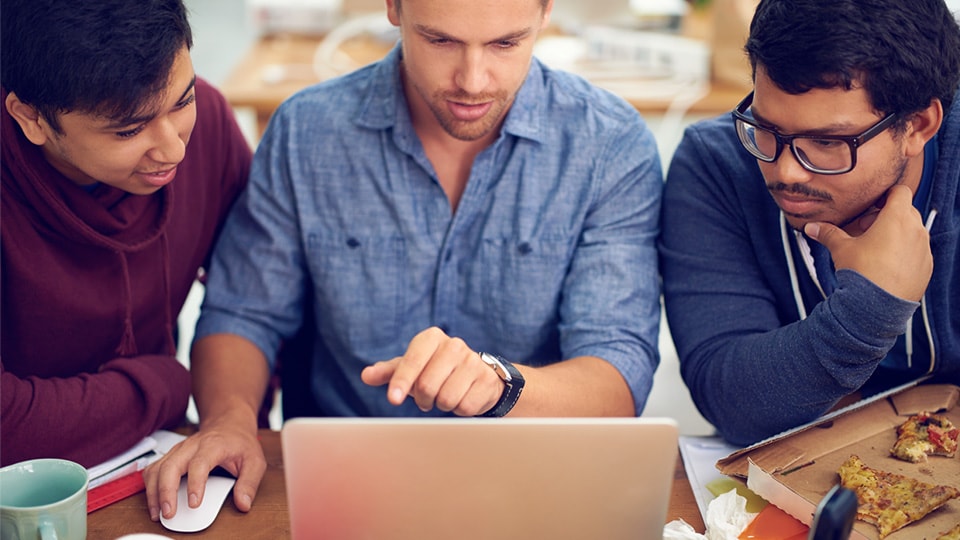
(457, 197)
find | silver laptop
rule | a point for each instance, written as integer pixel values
(478, 478)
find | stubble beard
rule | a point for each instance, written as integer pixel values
(468, 130)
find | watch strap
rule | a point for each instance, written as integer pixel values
(513, 385)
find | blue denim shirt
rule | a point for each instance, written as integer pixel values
(550, 254)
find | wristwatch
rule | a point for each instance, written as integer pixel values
(512, 381)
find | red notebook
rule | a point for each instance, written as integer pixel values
(115, 490)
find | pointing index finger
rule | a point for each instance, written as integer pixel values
(421, 349)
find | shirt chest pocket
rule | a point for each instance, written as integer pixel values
(358, 289)
(522, 285)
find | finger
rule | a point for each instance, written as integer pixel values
(379, 373)
(900, 206)
(151, 483)
(899, 194)
(864, 222)
(480, 399)
(483, 395)
(454, 389)
(248, 482)
(453, 354)
(896, 204)
(168, 477)
(197, 482)
(826, 233)
(470, 390)
(411, 364)
(154, 478)
(434, 378)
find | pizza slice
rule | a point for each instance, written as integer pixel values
(888, 500)
(923, 435)
(952, 534)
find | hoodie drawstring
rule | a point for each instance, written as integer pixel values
(801, 308)
(165, 260)
(128, 342)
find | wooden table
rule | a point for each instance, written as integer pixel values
(269, 520)
(277, 66)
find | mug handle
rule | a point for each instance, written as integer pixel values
(47, 531)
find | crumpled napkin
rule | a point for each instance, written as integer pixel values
(727, 517)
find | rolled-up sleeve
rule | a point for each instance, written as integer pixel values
(611, 298)
(255, 285)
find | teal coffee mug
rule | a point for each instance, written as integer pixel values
(43, 499)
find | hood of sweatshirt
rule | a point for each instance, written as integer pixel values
(117, 222)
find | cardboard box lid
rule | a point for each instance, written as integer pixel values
(796, 470)
(802, 444)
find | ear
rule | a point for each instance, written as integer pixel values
(31, 122)
(547, 10)
(393, 12)
(922, 126)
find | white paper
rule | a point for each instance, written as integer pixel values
(700, 456)
(679, 529)
(147, 444)
(149, 449)
(727, 516)
(725, 519)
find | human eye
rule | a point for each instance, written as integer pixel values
(130, 133)
(186, 101)
(506, 44)
(762, 133)
(827, 143)
(438, 41)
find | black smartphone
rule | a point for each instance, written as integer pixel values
(835, 514)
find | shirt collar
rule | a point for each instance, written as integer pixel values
(385, 94)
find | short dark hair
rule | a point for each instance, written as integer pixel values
(543, 3)
(105, 57)
(904, 53)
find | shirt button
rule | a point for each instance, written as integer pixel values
(524, 248)
(353, 243)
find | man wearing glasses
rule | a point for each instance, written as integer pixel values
(809, 244)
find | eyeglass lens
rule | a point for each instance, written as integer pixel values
(818, 154)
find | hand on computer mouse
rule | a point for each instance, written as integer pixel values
(188, 520)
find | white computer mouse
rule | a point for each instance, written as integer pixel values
(188, 520)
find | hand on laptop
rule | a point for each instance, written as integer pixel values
(438, 371)
(222, 443)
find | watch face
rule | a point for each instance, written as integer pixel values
(488, 359)
(512, 384)
(497, 364)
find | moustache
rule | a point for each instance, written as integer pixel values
(798, 189)
(467, 98)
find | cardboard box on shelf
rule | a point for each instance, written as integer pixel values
(796, 470)
(731, 28)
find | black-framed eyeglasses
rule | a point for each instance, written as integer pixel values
(820, 154)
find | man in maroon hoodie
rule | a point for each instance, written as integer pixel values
(118, 166)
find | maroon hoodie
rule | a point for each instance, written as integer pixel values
(92, 282)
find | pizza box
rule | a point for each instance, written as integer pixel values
(796, 469)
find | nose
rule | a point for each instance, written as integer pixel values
(789, 169)
(169, 142)
(472, 76)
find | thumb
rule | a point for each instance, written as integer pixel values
(826, 233)
(245, 490)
